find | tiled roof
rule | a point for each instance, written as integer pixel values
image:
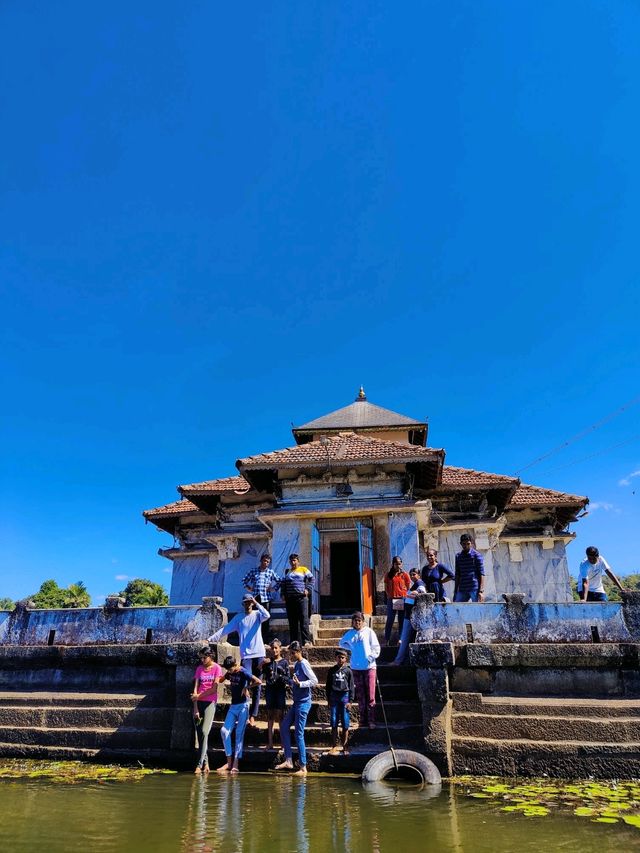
(225, 485)
(461, 478)
(526, 495)
(173, 509)
(360, 414)
(346, 447)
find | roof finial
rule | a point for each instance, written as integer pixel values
(361, 394)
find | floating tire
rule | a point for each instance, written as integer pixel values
(383, 765)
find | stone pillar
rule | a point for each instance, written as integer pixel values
(432, 661)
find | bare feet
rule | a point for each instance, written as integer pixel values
(252, 722)
(345, 750)
(334, 750)
(301, 772)
(285, 765)
(205, 769)
(222, 770)
(197, 771)
(234, 771)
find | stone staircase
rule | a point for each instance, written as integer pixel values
(399, 694)
(530, 736)
(85, 725)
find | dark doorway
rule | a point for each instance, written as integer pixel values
(345, 577)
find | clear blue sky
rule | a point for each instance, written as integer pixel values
(218, 219)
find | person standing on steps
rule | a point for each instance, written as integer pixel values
(592, 574)
(408, 633)
(275, 674)
(304, 678)
(262, 583)
(296, 588)
(247, 625)
(204, 697)
(435, 575)
(396, 585)
(340, 691)
(239, 680)
(363, 644)
(469, 576)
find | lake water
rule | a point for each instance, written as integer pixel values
(259, 813)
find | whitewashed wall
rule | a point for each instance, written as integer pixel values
(191, 580)
(403, 539)
(233, 571)
(543, 575)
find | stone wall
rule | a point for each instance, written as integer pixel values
(111, 624)
(518, 621)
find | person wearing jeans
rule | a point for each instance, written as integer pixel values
(247, 625)
(408, 633)
(304, 678)
(239, 680)
(396, 585)
(469, 574)
(363, 644)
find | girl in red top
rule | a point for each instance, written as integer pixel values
(396, 585)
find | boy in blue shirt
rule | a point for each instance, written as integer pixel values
(340, 689)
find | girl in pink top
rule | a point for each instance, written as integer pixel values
(204, 697)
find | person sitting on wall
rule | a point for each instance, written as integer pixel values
(469, 575)
(261, 583)
(363, 644)
(239, 679)
(591, 576)
(304, 678)
(408, 632)
(396, 585)
(252, 651)
(435, 575)
(295, 589)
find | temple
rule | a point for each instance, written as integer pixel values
(360, 485)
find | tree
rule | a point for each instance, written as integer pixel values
(6, 604)
(142, 592)
(50, 595)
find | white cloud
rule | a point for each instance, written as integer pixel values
(122, 577)
(167, 571)
(626, 481)
(603, 505)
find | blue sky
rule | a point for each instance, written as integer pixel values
(219, 220)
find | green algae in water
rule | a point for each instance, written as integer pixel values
(72, 772)
(602, 802)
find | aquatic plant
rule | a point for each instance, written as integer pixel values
(602, 802)
(71, 772)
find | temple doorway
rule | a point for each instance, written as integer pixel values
(345, 577)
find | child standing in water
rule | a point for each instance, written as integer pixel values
(304, 678)
(204, 697)
(239, 680)
(340, 690)
(275, 674)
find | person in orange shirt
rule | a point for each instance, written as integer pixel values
(396, 586)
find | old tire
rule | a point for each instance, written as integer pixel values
(383, 765)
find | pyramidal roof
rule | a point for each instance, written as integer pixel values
(360, 414)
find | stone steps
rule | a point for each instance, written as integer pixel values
(546, 707)
(88, 738)
(564, 759)
(67, 716)
(545, 729)
(34, 698)
(400, 712)
(532, 736)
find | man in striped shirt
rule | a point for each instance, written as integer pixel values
(469, 577)
(261, 583)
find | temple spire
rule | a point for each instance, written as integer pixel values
(361, 394)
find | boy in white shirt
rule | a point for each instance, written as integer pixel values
(591, 576)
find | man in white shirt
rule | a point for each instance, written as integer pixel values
(591, 576)
(252, 651)
(363, 644)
